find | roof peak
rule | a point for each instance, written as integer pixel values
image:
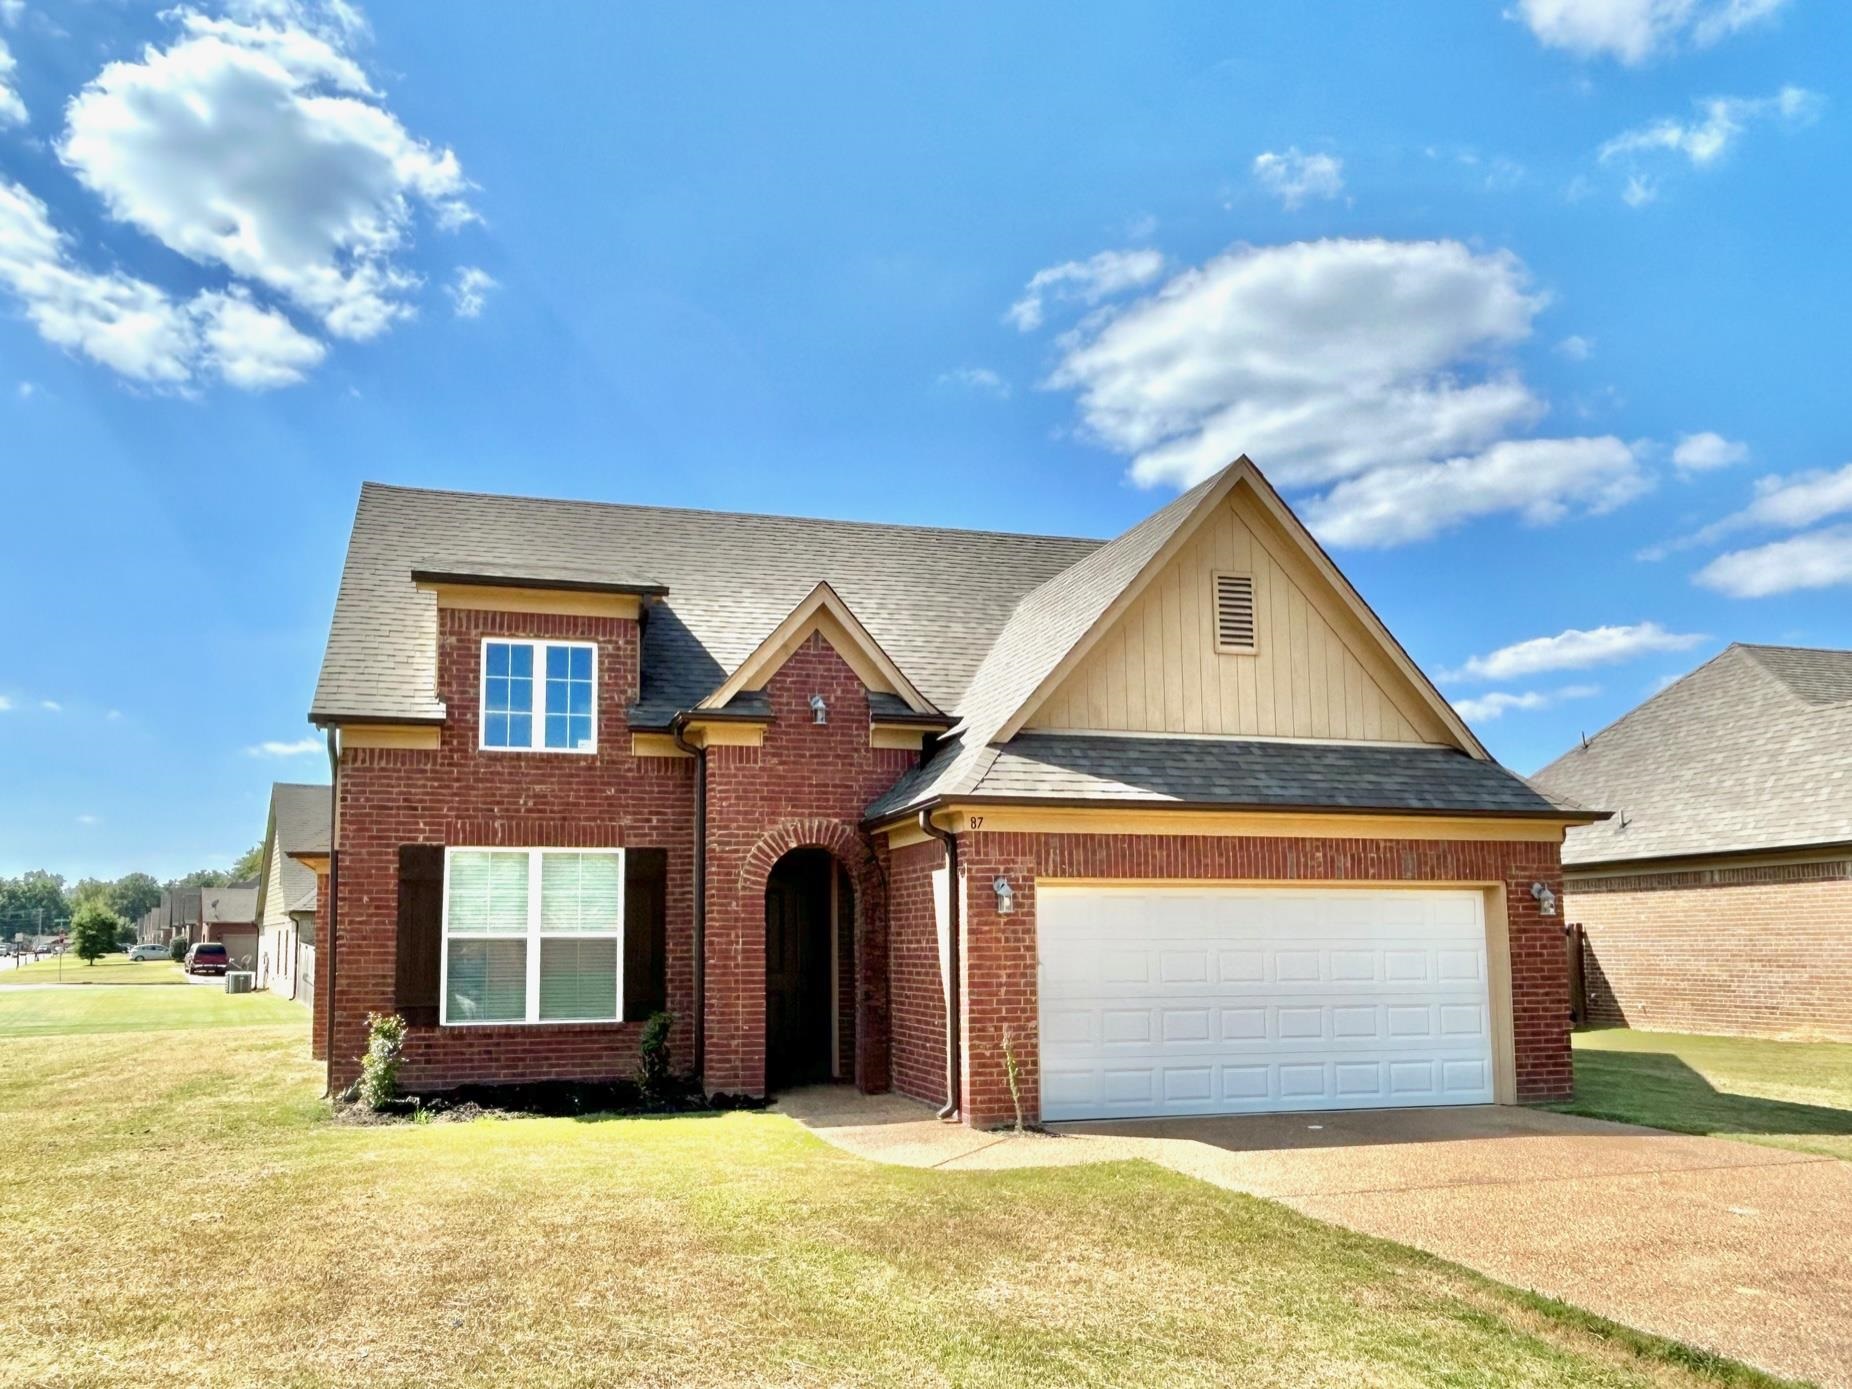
(721, 514)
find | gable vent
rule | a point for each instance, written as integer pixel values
(1234, 612)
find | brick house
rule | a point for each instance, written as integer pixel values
(295, 846)
(1173, 813)
(1718, 898)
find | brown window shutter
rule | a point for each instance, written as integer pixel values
(421, 932)
(646, 932)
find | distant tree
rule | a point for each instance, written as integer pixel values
(94, 932)
(33, 903)
(89, 892)
(134, 895)
(249, 865)
(126, 940)
(202, 877)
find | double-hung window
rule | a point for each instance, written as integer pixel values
(533, 935)
(539, 695)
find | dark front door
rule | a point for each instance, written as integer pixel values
(797, 970)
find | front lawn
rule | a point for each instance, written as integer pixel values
(1784, 1094)
(111, 969)
(180, 1210)
(73, 1011)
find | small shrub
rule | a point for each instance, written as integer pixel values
(1012, 1072)
(653, 1078)
(176, 951)
(379, 1067)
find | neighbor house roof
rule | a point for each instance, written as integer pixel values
(1752, 750)
(933, 599)
(299, 818)
(234, 905)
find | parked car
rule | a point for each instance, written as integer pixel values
(208, 957)
(148, 952)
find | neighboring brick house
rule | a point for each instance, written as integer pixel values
(1719, 896)
(229, 915)
(295, 847)
(1218, 845)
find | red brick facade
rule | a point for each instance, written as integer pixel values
(1751, 952)
(999, 961)
(458, 794)
(806, 785)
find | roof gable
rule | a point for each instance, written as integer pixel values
(1405, 706)
(822, 611)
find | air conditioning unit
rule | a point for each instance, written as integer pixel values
(240, 981)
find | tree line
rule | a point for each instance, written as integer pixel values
(39, 902)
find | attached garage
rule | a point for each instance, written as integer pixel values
(1228, 1000)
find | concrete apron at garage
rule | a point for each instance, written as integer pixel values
(1730, 1246)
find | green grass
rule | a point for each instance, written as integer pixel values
(193, 1217)
(1785, 1094)
(75, 1011)
(111, 969)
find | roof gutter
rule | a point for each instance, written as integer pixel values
(334, 893)
(954, 1061)
(953, 799)
(700, 892)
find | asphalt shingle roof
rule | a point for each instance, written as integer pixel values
(1254, 772)
(233, 906)
(1752, 750)
(934, 599)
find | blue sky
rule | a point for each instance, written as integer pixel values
(1534, 309)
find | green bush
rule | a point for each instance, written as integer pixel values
(177, 950)
(653, 1077)
(379, 1068)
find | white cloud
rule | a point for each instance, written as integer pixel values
(1780, 503)
(980, 379)
(134, 327)
(469, 290)
(1576, 347)
(25, 390)
(89, 820)
(302, 747)
(1635, 30)
(1574, 649)
(1319, 358)
(1085, 281)
(1487, 707)
(257, 144)
(1294, 177)
(51, 706)
(1700, 453)
(5, 704)
(113, 715)
(1721, 122)
(12, 109)
(1818, 559)
(1539, 479)
(11, 12)
(1378, 368)
(1639, 191)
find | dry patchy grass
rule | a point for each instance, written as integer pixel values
(200, 1222)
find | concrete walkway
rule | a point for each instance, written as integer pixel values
(1730, 1246)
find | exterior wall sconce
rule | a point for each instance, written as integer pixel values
(1006, 897)
(1546, 900)
(819, 711)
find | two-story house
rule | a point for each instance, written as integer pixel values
(1174, 814)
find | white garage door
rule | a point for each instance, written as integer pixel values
(1247, 1000)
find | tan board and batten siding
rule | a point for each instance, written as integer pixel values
(1313, 673)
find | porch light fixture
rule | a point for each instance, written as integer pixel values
(819, 711)
(1546, 900)
(1006, 897)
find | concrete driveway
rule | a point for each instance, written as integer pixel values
(1730, 1246)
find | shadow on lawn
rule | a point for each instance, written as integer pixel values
(1660, 1090)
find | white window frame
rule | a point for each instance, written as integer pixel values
(533, 936)
(539, 712)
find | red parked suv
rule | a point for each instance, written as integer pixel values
(208, 957)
